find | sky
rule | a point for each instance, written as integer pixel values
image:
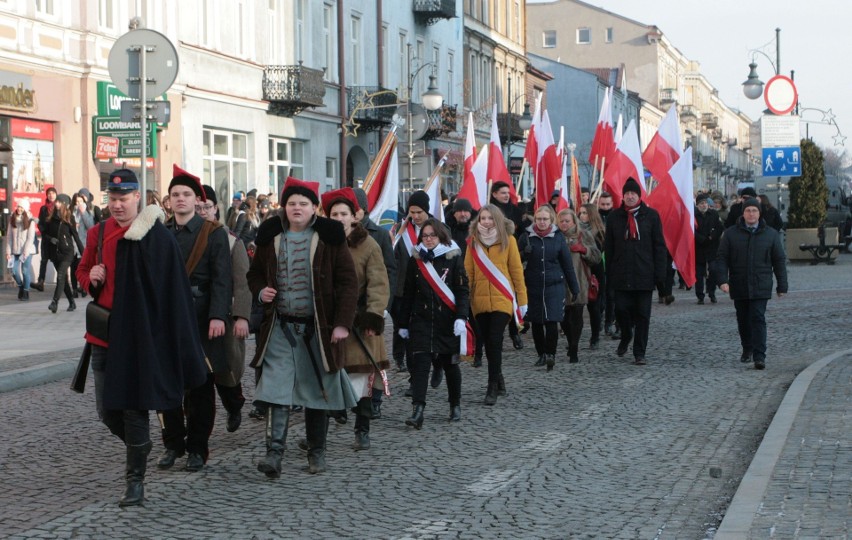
(816, 42)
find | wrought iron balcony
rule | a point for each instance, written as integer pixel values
(668, 95)
(441, 121)
(292, 89)
(709, 120)
(513, 127)
(688, 111)
(371, 107)
(432, 11)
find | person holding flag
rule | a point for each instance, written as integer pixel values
(433, 316)
(498, 293)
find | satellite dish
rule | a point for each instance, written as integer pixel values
(419, 122)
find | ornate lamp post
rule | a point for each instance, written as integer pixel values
(432, 101)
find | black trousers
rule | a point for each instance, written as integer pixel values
(633, 312)
(419, 364)
(199, 407)
(42, 266)
(702, 269)
(751, 323)
(130, 426)
(231, 397)
(62, 266)
(492, 325)
(545, 337)
(595, 318)
(572, 325)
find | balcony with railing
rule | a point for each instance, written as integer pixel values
(668, 96)
(688, 112)
(511, 128)
(292, 89)
(709, 120)
(371, 107)
(441, 121)
(432, 11)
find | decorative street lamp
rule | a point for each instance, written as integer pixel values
(432, 101)
(753, 86)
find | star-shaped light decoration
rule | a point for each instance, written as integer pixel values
(828, 116)
(839, 139)
(350, 127)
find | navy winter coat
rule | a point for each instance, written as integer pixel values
(635, 265)
(548, 269)
(746, 262)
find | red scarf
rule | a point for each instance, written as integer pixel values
(542, 232)
(632, 232)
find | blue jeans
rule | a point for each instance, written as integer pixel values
(22, 271)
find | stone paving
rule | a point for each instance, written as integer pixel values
(599, 449)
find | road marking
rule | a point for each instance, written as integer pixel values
(493, 481)
(424, 528)
(592, 412)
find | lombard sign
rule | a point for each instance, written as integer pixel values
(107, 130)
(110, 98)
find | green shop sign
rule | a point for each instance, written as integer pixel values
(112, 138)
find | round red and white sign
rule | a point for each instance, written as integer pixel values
(780, 94)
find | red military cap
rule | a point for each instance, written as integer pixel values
(344, 195)
(294, 186)
(181, 177)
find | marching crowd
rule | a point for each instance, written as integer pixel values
(179, 288)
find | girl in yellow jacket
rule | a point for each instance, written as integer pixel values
(495, 272)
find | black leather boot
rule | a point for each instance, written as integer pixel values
(501, 386)
(491, 393)
(416, 420)
(316, 430)
(137, 463)
(72, 305)
(39, 285)
(20, 293)
(277, 421)
(26, 297)
(541, 360)
(53, 306)
(455, 413)
(362, 432)
(550, 361)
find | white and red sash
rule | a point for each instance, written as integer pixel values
(468, 338)
(497, 278)
(408, 236)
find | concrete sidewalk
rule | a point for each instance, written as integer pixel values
(798, 484)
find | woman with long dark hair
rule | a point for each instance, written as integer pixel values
(590, 220)
(433, 315)
(497, 289)
(85, 220)
(62, 238)
(584, 253)
(20, 248)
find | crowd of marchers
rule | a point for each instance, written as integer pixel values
(316, 281)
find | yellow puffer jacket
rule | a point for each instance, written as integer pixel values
(485, 297)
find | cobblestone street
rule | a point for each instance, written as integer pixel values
(599, 449)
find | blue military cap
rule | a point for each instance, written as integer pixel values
(122, 180)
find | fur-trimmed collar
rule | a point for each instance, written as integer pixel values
(357, 236)
(144, 222)
(449, 252)
(330, 231)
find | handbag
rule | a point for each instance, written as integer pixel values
(594, 286)
(97, 316)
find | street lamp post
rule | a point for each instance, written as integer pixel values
(432, 101)
(524, 122)
(753, 86)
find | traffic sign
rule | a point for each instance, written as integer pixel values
(779, 130)
(780, 94)
(160, 67)
(782, 161)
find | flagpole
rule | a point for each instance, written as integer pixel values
(600, 183)
(524, 167)
(374, 166)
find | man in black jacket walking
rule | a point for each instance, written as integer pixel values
(749, 253)
(708, 229)
(635, 263)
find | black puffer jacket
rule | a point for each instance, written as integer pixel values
(60, 238)
(429, 321)
(708, 230)
(635, 265)
(746, 262)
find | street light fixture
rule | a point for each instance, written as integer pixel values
(753, 86)
(524, 122)
(432, 101)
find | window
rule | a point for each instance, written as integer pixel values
(518, 26)
(608, 35)
(207, 22)
(330, 173)
(355, 77)
(402, 51)
(451, 77)
(241, 27)
(285, 159)
(329, 44)
(584, 35)
(107, 14)
(225, 163)
(420, 54)
(299, 38)
(45, 7)
(277, 33)
(548, 38)
(385, 55)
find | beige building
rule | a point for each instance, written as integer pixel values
(582, 35)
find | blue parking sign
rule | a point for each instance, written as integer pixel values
(782, 161)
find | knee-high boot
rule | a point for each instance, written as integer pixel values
(277, 422)
(137, 463)
(316, 430)
(363, 412)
